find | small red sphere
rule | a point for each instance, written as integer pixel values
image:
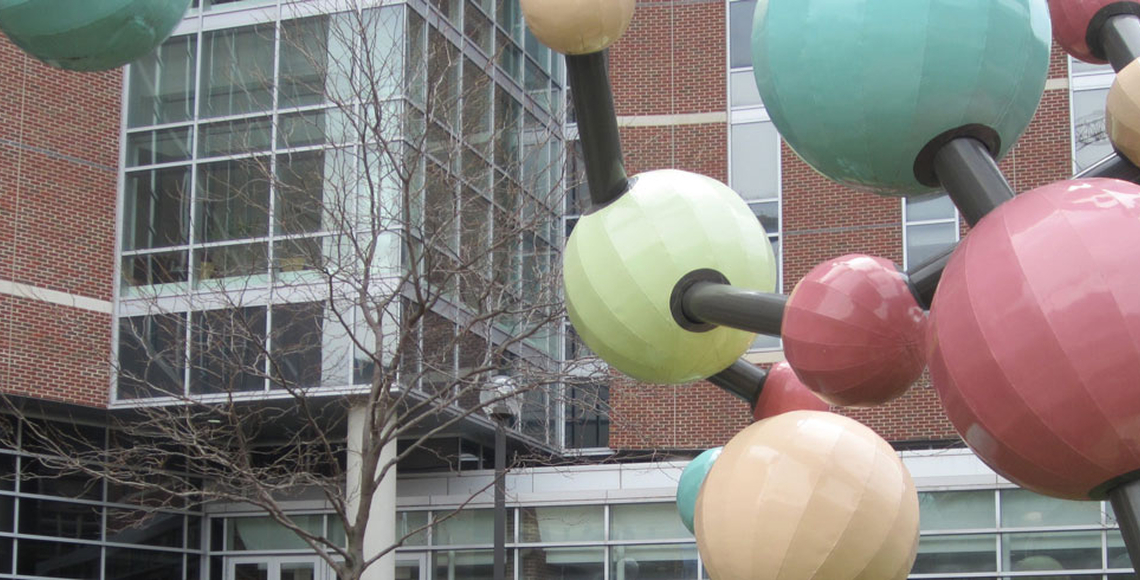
(783, 392)
(854, 332)
(1071, 19)
(1035, 337)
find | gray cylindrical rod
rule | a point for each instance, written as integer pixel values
(969, 174)
(923, 278)
(1114, 166)
(597, 126)
(723, 305)
(1121, 38)
(743, 379)
(499, 555)
(1125, 500)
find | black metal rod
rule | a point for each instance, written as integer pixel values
(742, 379)
(1121, 37)
(923, 278)
(969, 174)
(498, 569)
(1114, 166)
(724, 305)
(1125, 499)
(597, 126)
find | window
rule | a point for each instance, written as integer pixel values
(930, 225)
(1089, 86)
(587, 416)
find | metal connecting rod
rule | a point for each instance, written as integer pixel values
(1114, 166)
(969, 174)
(597, 126)
(1120, 35)
(723, 305)
(1125, 499)
(923, 278)
(743, 379)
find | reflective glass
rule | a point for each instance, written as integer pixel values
(162, 84)
(562, 524)
(408, 522)
(162, 146)
(646, 521)
(156, 208)
(743, 89)
(237, 70)
(226, 353)
(1090, 142)
(263, 533)
(657, 562)
(127, 564)
(296, 345)
(1052, 551)
(926, 241)
(1024, 509)
(216, 264)
(147, 528)
(155, 269)
(467, 565)
(956, 510)
(944, 554)
(933, 207)
(151, 356)
(740, 32)
(468, 527)
(233, 200)
(1117, 553)
(563, 563)
(58, 560)
(755, 161)
(234, 137)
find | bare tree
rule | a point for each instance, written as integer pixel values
(390, 244)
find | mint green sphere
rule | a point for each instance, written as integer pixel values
(690, 485)
(623, 261)
(859, 87)
(89, 35)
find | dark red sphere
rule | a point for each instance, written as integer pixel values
(1035, 337)
(1071, 19)
(783, 392)
(854, 332)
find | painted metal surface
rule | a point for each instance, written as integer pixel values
(808, 495)
(1071, 20)
(1034, 337)
(783, 392)
(622, 262)
(89, 35)
(880, 79)
(689, 486)
(578, 26)
(1122, 112)
(854, 332)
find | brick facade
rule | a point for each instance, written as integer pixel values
(673, 62)
(59, 149)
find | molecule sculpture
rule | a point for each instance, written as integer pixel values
(90, 35)
(1033, 332)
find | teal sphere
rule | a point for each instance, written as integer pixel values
(690, 485)
(89, 35)
(858, 88)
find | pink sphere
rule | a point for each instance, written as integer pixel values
(1071, 19)
(1035, 337)
(853, 331)
(783, 392)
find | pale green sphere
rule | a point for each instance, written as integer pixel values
(623, 261)
(89, 35)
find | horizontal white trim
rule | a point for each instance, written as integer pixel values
(1060, 83)
(667, 120)
(765, 357)
(54, 297)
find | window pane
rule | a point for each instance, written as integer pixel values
(304, 64)
(926, 241)
(1052, 551)
(164, 146)
(406, 522)
(38, 558)
(935, 207)
(125, 564)
(266, 534)
(755, 161)
(587, 415)
(237, 71)
(740, 32)
(301, 190)
(743, 89)
(468, 565)
(768, 213)
(151, 356)
(1090, 141)
(147, 528)
(226, 353)
(1024, 509)
(234, 137)
(667, 562)
(563, 563)
(238, 261)
(562, 524)
(39, 479)
(654, 521)
(155, 269)
(156, 211)
(296, 343)
(466, 527)
(233, 200)
(947, 554)
(956, 510)
(60, 519)
(162, 84)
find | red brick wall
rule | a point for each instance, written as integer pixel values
(59, 135)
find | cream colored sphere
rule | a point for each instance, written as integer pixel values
(578, 26)
(1122, 112)
(807, 495)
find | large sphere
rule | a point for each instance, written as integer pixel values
(578, 26)
(622, 262)
(808, 495)
(880, 79)
(1122, 112)
(1072, 19)
(854, 332)
(783, 392)
(690, 485)
(1034, 337)
(89, 35)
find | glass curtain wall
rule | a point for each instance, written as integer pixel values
(259, 147)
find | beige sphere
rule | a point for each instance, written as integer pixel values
(807, 495)
(1122, 112)
(578, 26)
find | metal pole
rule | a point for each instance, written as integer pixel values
(1121, 38)
(723, 305)
(743, 379)
(968, 172)
(1113, 166)
(1125, 499)
(597, 126)
(499, 567)
(923, 278)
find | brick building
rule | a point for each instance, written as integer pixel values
(80, 273)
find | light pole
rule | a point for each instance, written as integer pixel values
(500, 404)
